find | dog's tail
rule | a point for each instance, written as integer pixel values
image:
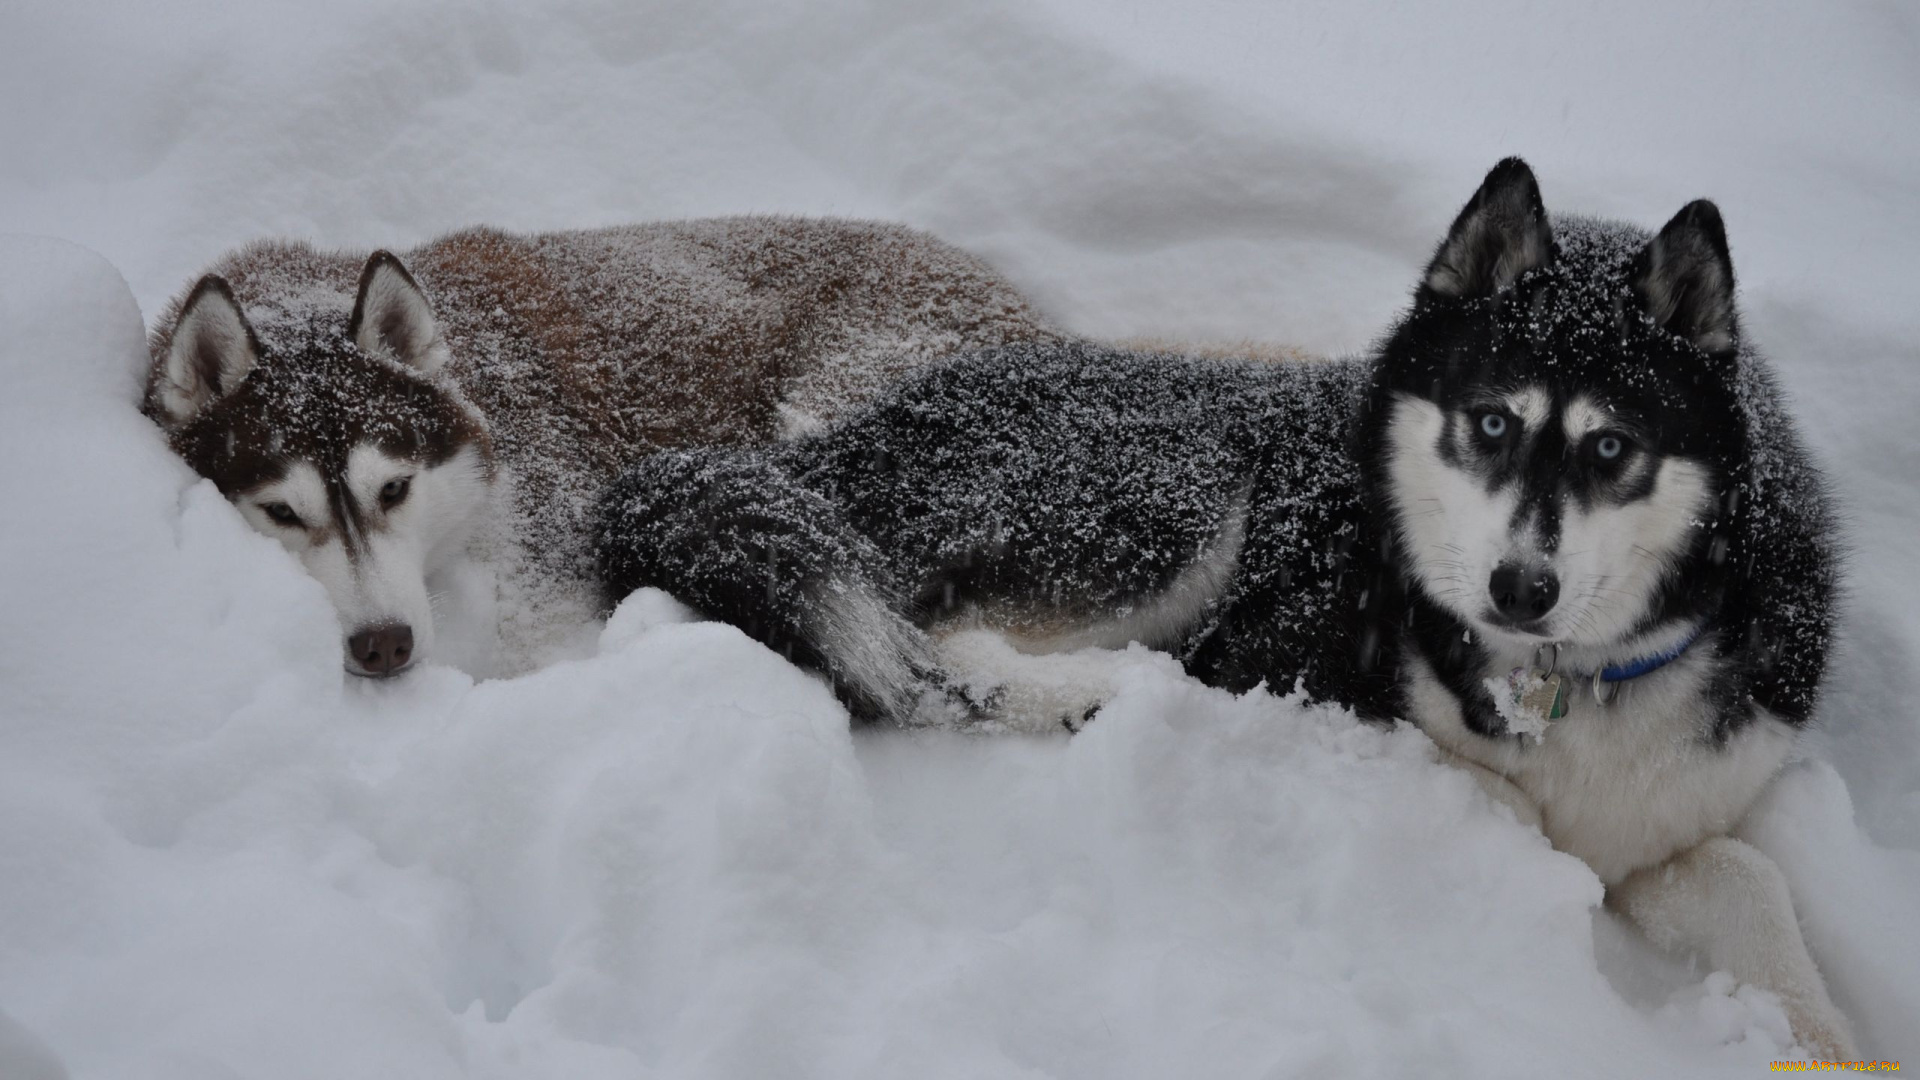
(737, 538)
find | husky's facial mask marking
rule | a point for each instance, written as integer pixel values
(344, 447)
(1555, 529)
(1547, 464)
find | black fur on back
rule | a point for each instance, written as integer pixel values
(1072, 480)
(1059, 481)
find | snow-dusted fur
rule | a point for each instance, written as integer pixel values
(372, 412)
(1068, 494)
(1565, 443)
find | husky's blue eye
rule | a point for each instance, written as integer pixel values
(281, 513)
(394, 492)
(1493, 425)
(1608, 447)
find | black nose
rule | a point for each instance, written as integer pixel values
(1520, 594)
(381, 650)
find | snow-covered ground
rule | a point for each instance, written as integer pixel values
(221, 858)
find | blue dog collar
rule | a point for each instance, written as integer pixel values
(1605, 683)
(1635, 668)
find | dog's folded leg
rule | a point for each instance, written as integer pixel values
(1728, 902)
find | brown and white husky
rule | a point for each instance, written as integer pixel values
(396, 421)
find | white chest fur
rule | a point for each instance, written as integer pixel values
(1629, 784)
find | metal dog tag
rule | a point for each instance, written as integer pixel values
(1545, 695)
(1528, 699)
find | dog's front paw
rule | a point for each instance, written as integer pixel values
(1820, 1029)
(1727, 901)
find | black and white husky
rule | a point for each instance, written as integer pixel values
(1560, 520)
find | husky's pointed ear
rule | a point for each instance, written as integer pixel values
(391, 315)
(1684, 278)
(210, 350)
(1500, 234)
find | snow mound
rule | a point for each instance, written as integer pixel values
(221, 857)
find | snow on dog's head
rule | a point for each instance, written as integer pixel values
(1557, 420)
(336, 434)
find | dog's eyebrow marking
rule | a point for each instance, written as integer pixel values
(1531, 405)
(369, 467)
(1583, 416)
(304, 490)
